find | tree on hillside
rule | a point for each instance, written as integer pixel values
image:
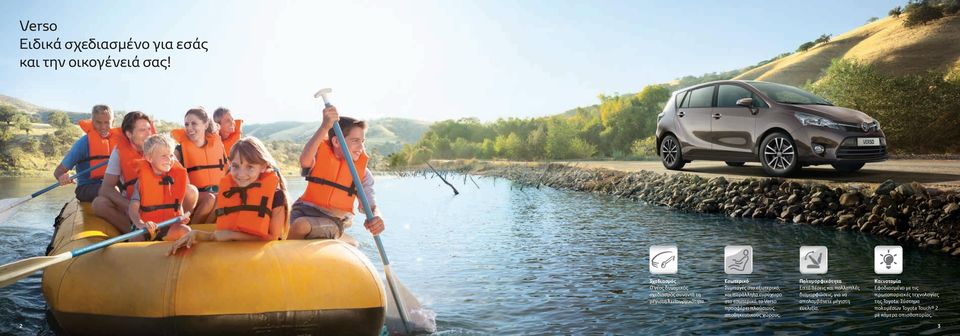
(806, 46)
(921, 12)
(822, 39)
(895, 12)
(22, 122)
(7, 114)
(59, 120)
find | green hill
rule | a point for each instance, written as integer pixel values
(38, 113)
(384, 136)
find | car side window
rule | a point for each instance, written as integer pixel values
(727, 96)
(681, 98)
(686, 100)
(702, 97)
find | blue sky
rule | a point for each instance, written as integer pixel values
(427, 60)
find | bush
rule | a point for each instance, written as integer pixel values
(918, 113)
(580, 149)
(419, 156)
(895, 12)
(464, 149)
(872, 19)
(644, 148)
(805, 46)
(919, 13)
(951, 7)
(822, 39)
(31, 145)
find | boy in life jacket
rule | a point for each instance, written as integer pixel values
(201, 151)
(252, 203)
(229, 127)
(159, 191)
(113, 200)
(91, 149)
(326, 207)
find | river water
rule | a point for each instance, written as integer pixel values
(498, 259)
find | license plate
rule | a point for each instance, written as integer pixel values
(868, 142)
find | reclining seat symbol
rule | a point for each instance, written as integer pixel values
(738, 260)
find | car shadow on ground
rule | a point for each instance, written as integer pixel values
(827, 173)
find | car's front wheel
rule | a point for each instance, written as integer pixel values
(670, 153)
(847, 167)
(778, 155)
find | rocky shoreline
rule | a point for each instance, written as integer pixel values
(910, 212)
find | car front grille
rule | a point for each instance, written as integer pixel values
(861, 128)
(864, 153)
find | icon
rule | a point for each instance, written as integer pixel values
(663, 259)
(813, 260)
(738, 259)
(888, 259)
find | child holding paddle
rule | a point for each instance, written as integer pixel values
(252, 202)
(159, 191)
(326, 207)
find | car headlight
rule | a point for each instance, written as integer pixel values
(812, 120)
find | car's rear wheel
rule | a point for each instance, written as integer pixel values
(734, 164)
(847, 167)
(670, 153)
(778, 155)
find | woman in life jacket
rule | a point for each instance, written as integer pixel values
(252, 203)
(229, 127)
(200, 150)
(159, 191)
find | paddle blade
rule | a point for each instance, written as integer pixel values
(13, 272)
(420, 320)
(8, 206)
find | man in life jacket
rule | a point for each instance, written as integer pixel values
(92, 148)
(229, 128)
(121, 174)
(326, 207)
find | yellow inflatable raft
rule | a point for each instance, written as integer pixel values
(283, 287)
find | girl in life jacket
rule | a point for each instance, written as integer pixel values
(159, 191)
(229, 127)
(201, 152)
(252, 203)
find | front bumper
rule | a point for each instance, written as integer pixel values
(839, 146)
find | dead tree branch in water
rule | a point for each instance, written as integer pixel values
(455, 192)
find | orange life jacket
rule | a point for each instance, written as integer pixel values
(206, 165)
(161, 195)
(99, 147)
(129, 156)
(233, 138)
(247, 209)
(330, 183)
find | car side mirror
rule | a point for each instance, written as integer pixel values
(748, 103)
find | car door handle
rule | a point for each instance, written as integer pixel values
(717, 115)
(680, 114)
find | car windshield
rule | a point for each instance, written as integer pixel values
(786, 94)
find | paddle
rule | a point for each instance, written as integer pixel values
(402, 298)
(10, 203)
(17, 270)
